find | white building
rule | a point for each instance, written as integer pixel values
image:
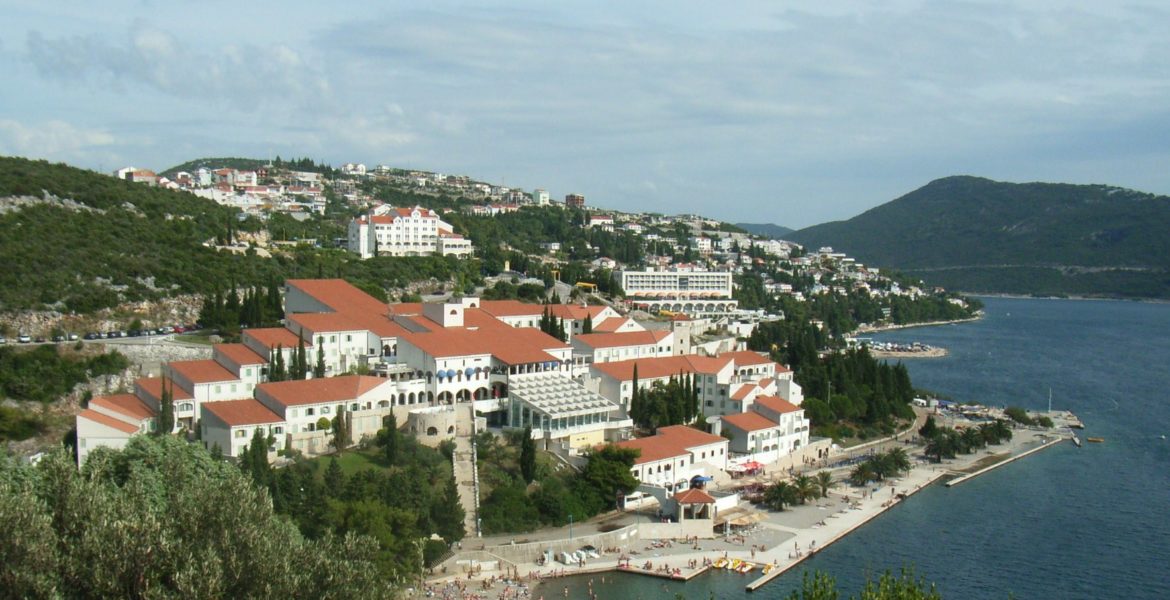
(388, 231)
(690, 291)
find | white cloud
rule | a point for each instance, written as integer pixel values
(56, 140)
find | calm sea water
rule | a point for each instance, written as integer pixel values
(1064, 523)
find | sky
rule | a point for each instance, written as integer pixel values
(794, 113)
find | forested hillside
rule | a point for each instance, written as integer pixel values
(769, 230)
(78, 241)
(979, 235)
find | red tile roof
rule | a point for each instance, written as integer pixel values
(511, 308)
(659, 367)
(670, 442)
(271, 337)
(744, 358)
(152, 386)
(694, 496)
(124, 404)
(344, 298)
(202, 371)
(617, 340)
(776, 404)
(108, 421)
(317, 391)
(322, 323)
(609, 325)
(239, 354)
(513, 345)
(235, 413)
(750, 421)
(575, 312)
(743, 391)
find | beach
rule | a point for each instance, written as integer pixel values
(779, 541)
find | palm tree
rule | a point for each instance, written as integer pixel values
(972, 441)
(824, 481)
(899, 460)
(862, 474)
(779, 495)
(1003, 430)
(806, 488)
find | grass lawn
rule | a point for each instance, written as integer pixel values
(352, 461)
(193, 338)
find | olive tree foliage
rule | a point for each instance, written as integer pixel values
(162, 519)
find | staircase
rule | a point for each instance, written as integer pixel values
(465, 469)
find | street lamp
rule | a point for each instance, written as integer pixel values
(570, 527)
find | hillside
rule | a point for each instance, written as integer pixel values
(980, 235)
(296, 164)
(768, 230)
(77, 241)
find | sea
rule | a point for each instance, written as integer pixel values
(1064, 523)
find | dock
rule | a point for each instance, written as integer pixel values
(1010, 459)
(682, 575)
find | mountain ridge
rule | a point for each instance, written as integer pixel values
(980, 235)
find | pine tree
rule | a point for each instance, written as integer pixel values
(166, 413)
(319, 368)
(528, 456)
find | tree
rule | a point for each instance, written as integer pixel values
(341, 433)
(300, 368)
(319, 369)
(166, 413)
(277, 371)
(527, 456)
(109, 530)
(388, 438)
(447, 513)
(824, 481)
(587, 326)
(929, 428)
(334, 478)
(806, 488)
(606, 475)
(780, 495)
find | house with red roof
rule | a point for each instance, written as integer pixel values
(390, 231)
(110, 422)
(669, 460)
(769, 429)
(609, 347)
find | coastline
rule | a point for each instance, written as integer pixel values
(928, 353)
(880, 328)
(782, 539)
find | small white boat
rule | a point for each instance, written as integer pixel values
(1076, 440)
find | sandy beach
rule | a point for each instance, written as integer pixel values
(782, 539)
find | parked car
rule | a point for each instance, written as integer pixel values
(40, 339)
(3, 340)
(72, 337)
(92, 336)
(179, 329)
(58, 339)
(23, 338)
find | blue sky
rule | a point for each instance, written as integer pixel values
(793, 113)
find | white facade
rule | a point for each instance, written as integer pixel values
(417, 231)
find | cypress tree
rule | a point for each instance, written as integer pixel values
(166, 416)
(340, 429)
(334, 478)
(300, 366)
(587, 326)
(277, 370)
(390, 441)
(635, 411)
(528, 456)
(319, 368)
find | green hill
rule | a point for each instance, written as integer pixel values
(768, 230)
(979, 235)
(78, 241)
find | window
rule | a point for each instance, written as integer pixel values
(349, 338)
(355, 406)
(308, 412)
(332, 338)
(277, 430)
(241, 433)
(218, 388)
(324, 410)
(233, 388)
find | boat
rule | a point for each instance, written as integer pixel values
(768, 568)
(1096, 440)
(735, 563)
(720, 563)
(745, 567)
(1076, 440)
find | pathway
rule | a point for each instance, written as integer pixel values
(465, 472)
